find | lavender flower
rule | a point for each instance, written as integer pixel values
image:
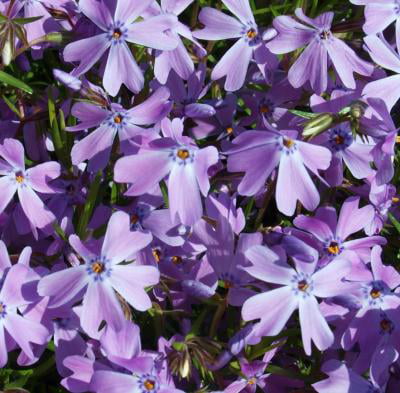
(26, 183)
(312, 64)
(186, 164)
(300, 289)
(235, 62)
(115, 121)
(101, 274)
(247, 154)
(14, 327)
(117, 31)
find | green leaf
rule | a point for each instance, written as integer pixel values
(11, 105)
(394, 222)
(305, 115)
(24, 21)
(164, 191)
(12, 81)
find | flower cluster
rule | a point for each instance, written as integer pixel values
(199, 196)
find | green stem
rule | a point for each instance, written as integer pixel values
(264, 207)
(217, 317)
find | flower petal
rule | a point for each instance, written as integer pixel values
(130, 281)
(313, 325)
(34, 208)
(63, 285)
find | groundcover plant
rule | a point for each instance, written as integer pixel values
(199, 196)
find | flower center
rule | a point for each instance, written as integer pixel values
(303, 285)
(183, 154)
(149, 384)
(386, 325)
(324, 35)
(19, 177)
(118, 119)
(339, 139)
(251, 33)
(229, 130)
(134, 219)
(395, 200)
(251, 381)
(3, 311)
(117, 34)
(176, 259)
(264, 109)
(333, 248)
(98, 267)
(157, 254)
(228, 284)
(375, 293)
(288, 142)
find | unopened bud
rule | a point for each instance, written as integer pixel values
(318, 125)
(357, 110)
(7, 53)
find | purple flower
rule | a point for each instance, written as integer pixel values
(144, 377)
(228, 260)
(117, 31)
(178, 157)
(353, 151)
(13, 326)
(26, 183)
(102, 274)
(312, 65)
(332, 233)
(247, 154)
(343, 379)
(382, 198)
(300, 289)
(377, 321)
(178, 59)
(379, 15)
(115, 121)
(388, 89)
(235, 62)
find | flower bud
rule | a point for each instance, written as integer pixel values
(357, 110)
(318, 125)
(7, 53)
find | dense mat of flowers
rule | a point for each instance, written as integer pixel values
(199, 196)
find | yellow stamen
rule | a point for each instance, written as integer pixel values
(251, 381)
(333, 248)
(19, 179)
(251, 34)
(149, 384)
(118, 119)
(302, 285)
(395, 200)
(176, 259)
(288, 142)
(264, 109)
(229, 130)
(397, 139)
(375, 293)
(117, 34)
(157, 254)
(183, 154)
(98, 267)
